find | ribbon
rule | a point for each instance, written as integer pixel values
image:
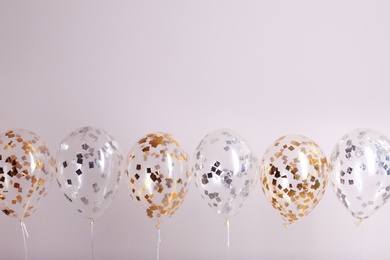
(92, 226)
(362, 242)
(25, 235)
(158, 240)
(228, 232)
(227, 237)
(293, 243)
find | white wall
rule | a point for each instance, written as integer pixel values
(262, 68)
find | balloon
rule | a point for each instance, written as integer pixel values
(158, 175)
(89, 170)
(360, 172)
(225, 170)
(293, 175)
(26, 172)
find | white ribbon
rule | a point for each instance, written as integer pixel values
(228, 237)
(25, 235)
(158, 240)
(362, 241)
(92, 226)
(228, 232)
(293, 243)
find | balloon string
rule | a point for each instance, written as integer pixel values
(362, 241)
(158, 240)
(25, 235)
(293, 243)
(92, 226)
(228, 238)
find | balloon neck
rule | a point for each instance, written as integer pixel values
(226, 222)
(286, 225)
(357, 223)
(24, 229)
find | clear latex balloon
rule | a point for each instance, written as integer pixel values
(158, 175)
(360, 171)
(225, 170)
(89, 170)
(26, 172)
(294, 173)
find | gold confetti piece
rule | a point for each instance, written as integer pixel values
(143, 140)
(157, 140)
(155, 207)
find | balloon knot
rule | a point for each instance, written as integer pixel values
(158, 225)
(286, 225)
(357, 223)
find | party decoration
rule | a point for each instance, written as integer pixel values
(89, 170)
(360, 172)
(225, 170)
(294, 174)
(158, 175)
(26, 172)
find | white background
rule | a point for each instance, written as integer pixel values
(262, 68)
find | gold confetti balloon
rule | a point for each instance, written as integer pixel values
(158, 175)
(293, 176)
(225, 170)
(26, 172)
(89, 170)
(360, 172)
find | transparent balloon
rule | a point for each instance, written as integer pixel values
(158, 175)
(89, 170)
(26, 172)
(360, 172)
(294, 174)
(225, 170)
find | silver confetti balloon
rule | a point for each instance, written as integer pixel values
(360, 172)
(89, 170)
(225, 170)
